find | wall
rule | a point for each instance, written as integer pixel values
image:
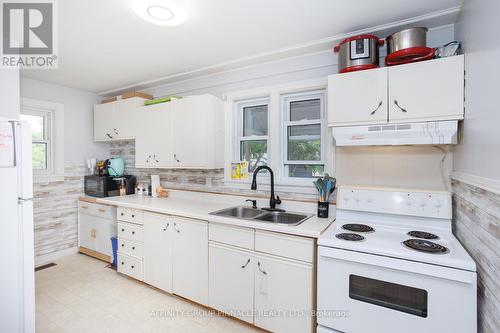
(9, 93)
(476, 163)
(55, 202)
(416, 167)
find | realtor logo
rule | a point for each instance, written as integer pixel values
(28, 34)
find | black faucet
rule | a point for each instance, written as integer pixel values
(272, 201)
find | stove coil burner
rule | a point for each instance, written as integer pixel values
(425, 246)
(422, 234)
(350, 237)
(358, 227)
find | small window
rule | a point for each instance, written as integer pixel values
(40, 122)
(304, 126)
(253, 123)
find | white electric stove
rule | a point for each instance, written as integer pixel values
(390, 263)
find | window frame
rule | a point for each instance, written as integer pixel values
(286, 100)
(240, 106)
(53, 114)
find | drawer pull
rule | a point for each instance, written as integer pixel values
(260, 269)
(102, 210)
(132, 266)
(123, 263)
(245, 265)
(133, 215)
(121, 214)
(133, 247)
(84, 207)
(123, 245)
(133, 232)
(123, 230)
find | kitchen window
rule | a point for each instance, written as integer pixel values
(46, 120)
(283, 127)
(303, 141)
(253, 129)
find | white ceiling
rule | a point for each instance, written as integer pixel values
(105, 46)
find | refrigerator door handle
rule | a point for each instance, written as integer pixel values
(23, 200)
(13, 124)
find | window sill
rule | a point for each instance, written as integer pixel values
(37, 179)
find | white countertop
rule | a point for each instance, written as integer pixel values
(198, 206)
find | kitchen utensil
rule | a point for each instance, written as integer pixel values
(115, 167)
(409, 45)
(358, 53)
(448, 50)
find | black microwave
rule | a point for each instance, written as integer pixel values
(98, 186)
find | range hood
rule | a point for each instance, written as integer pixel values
(421, 133)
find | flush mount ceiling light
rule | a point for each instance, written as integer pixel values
(161, 12)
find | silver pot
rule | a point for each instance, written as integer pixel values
(405, 39)
(358, 53)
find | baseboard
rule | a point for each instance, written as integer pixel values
(50, 257)
(488, 184)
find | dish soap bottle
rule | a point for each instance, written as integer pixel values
(123, 189)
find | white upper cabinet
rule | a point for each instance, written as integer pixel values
(116, 120)
(357, 98)
(197, 132)
(424, 91)
(153, 143)
(429, 90)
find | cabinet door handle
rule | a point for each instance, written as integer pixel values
(84, 207)
(245, 265)
(132, 266)
(165, 229)
(121, 214)
(116, 131)
(156, 160)
(178, 231)
(133, 232)
(133, 247)
(147, 159)
(102, 210)
(123, 263)
(176, 159)
(378, 107)
(93, 233)
(402, 109)
(123, 230)
(109, 135)
(123, 245)
(260, 269)
(133, 215)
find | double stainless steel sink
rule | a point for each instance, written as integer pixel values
(256, 214)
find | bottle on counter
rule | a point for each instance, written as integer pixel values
(123, 189)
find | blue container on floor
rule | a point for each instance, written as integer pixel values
(114, 245)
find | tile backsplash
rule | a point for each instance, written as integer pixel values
(184, 179)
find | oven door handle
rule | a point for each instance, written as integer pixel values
(327, 253)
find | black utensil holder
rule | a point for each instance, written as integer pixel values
(323, 208)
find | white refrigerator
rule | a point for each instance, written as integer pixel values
(17, 285)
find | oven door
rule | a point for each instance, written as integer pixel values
(359, 292)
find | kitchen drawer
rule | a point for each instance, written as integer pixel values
(130, 231)
(236, 236)
(130, 266)
(129, 215)
(130, 248)
(103, 211)
(294, 247)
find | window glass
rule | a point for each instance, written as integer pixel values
(305, 110)
(37, 125)
(304, 143)
(255, 120)
(254, 152)
(305, 170)
(39, 151)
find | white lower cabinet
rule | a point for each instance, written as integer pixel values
(158, 247)
(231, 276)
(190, 259)
(96, 226)
(283, 294)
